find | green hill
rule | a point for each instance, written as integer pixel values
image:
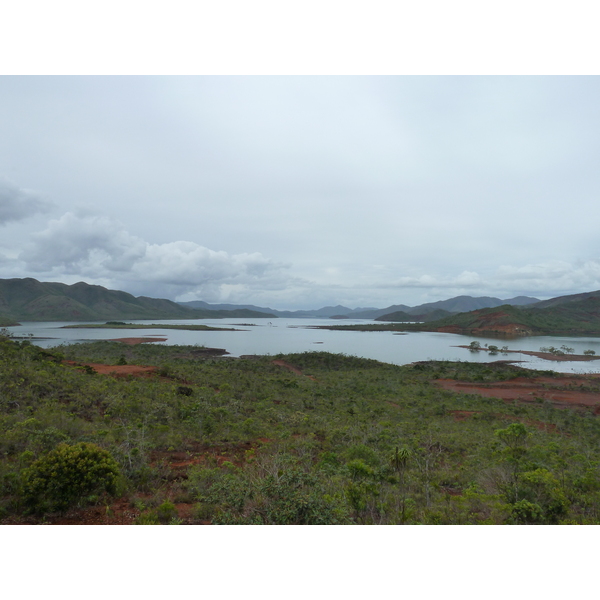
(577, 317)
(566, 299)
(32, 300)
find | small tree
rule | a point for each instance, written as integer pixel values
(514, 438)
(400, 463)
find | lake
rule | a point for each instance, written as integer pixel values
(294, 335)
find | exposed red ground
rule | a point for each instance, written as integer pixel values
(117, 370)
(568, 391)
(285, 365)
(488, 323)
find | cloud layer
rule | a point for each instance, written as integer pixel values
(303, 191)
(100, 248)
(17, 204)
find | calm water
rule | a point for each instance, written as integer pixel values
(293, 335)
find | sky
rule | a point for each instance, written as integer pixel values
(298, 192)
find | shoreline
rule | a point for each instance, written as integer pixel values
(537, 354)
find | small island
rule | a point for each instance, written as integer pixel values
(564, 353)
(121, 325)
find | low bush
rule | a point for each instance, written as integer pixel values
(68, 476)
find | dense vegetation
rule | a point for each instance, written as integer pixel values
(248, 441)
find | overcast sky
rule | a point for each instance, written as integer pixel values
(300, 192)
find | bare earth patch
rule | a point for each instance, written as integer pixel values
(117, 370)
(568, 391)
(285, 365)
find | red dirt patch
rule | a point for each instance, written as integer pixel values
(178, 461)
(560, 391)
(285, 365)
(461, 415)
(117, 370)
(489, 323)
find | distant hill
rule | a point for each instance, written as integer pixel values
(522, 301)
(566, 299)
(373, 313)
(31, 300)
(401, 316)
(461, 304)
(452, 305)
(201, 305)
(572, 317)
(325, 312)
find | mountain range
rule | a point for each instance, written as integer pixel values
(452, 305)
(31, 300)
(320, 313)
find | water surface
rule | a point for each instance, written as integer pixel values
(294, 335)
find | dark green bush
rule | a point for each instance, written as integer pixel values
(166, 512)
(69, 476)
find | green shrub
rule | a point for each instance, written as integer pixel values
(148, 518)
(166, 512)
(524, 512)
(364, 453)
(69, 476)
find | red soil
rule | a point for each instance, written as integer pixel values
(117, 370)
(489, 323)
(560, 391)
(177, 462)
(285, 365)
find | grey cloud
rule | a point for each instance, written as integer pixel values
(78, 243)
(100, 248)
(17, 204)
(552, 277)
(465, 279)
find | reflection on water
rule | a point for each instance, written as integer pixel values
(294, 335)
